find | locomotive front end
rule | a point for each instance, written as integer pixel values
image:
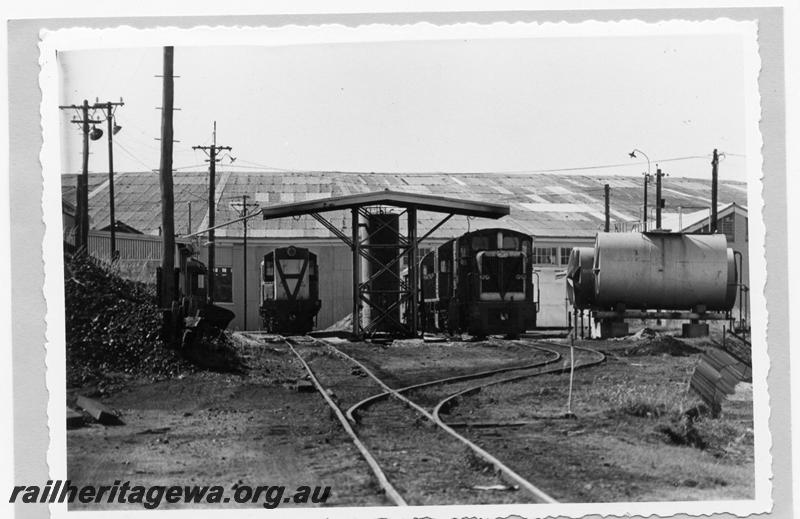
(289, 291)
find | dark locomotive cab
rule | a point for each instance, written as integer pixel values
(480, 283)
(289, 290)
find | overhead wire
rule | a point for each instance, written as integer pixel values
(131, 155)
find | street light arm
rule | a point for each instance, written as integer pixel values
(633, 153)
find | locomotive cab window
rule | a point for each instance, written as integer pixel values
(479, 243)
(511, 242)
(268, 268)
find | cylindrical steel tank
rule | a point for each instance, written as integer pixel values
(666, 271)
(580, 278)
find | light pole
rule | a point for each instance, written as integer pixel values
(632, 155)
(113, 128)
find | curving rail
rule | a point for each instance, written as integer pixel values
(347, 418)
(599, 358)
(383, 481)
(458, 378)
(499, 466)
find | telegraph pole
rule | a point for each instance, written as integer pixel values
(82, 195)
(244, 260)
(644, 215)
(244, 216)
(607, 192)
(659, 204)
(167, 194)
(212, 160)
(714, 180)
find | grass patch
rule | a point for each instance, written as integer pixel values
(645, 401)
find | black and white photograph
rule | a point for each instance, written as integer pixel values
(405, 269)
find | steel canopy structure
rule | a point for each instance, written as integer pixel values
(408, 245)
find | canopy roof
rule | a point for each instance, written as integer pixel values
(437, 204)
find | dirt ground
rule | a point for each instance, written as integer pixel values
(628, 439)
(223, 429)
(255, 429)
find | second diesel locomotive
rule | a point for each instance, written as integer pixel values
(289, 290)
(480, 283)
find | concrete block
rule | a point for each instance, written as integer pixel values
(74, 419)
(98, 411)
(693, 330)
(611, 329)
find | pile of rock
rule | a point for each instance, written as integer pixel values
(112, 327)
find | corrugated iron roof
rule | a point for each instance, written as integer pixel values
(541, 204)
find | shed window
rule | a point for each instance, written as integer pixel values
(727, 226)
(564, 253)
(223, 284)
(544, 255)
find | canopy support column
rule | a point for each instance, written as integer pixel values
(356, 274)
(413, 281)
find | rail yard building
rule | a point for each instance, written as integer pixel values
(559, 211)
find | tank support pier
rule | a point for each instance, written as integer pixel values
(612, 322)
(694, 329)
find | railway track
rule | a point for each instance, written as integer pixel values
(436, 451)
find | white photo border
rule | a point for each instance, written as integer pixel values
(52, 42)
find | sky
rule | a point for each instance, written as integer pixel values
(497, 105)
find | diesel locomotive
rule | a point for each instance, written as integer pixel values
(480, 283)
(289, 290)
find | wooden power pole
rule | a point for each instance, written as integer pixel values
(167, 194)
(607, 193)
(659, 201)
(82, 195)
(244, 214)
(714, 180)
(211, 151)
